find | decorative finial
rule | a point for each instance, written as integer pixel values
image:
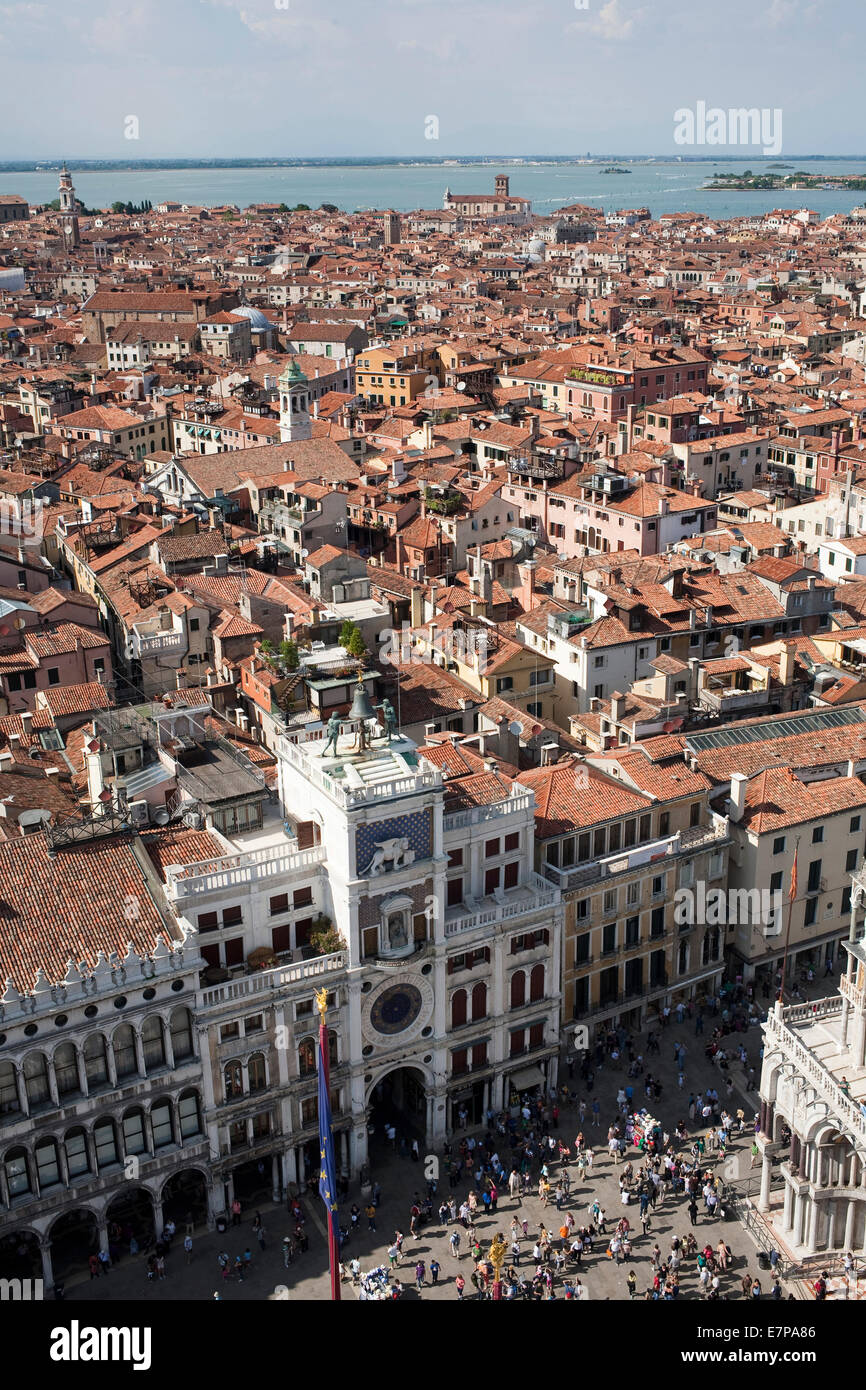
(322, 1002)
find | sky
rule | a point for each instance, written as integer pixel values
(231, 78)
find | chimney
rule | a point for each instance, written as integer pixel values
(786, 665)
(617, 706)
(6, 760)
(416, 602)
(26, 720)
(739, 783)
(851, 769)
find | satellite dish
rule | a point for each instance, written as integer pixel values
(304, 554)
(161, 817)
(461, 386)
(515, 728)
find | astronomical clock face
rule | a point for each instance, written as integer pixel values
(398, 1009)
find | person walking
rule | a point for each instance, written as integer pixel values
(434, 1271)
(187, 1245)
(420, 1275)
(236, 1212)
(370, 1213)
(631, 1281)
(693, 1212)
(460, 1285)
(454, 1242)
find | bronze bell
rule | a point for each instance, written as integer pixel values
(361, 707)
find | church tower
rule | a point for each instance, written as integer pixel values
(68, 209)
(295, 420)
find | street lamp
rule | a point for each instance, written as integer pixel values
(497, 1259)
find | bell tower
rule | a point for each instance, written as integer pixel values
(68, 209)
(295, 420)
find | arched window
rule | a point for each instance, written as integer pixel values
(66, 1070)
(479, 1001)
(256, 1071)
(181, 1034)
(36, 1079)
(123, 1044)
(458, 1008)
(47, 1165)
(95, 1064)
(105, 1143)
(189, 1110)
(333, 1057)
(307, 1057)
(134, 1141)
(17, 1172)
(518, 989)
(8, 1089)
(161, 1123)
(77, 1159)
(153, 1043)
(536, 982)
(234, 1080)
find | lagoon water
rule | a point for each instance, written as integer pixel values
(669, 186)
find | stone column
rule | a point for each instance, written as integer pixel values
(275, 1176)
(21, 1088)
(850, 1217)
(158, 1215)
(831, 1224)
(102, 1230)
(290, 1169)
(139, 1053)
(811, 1227)
(47, 1269)
(169, 1050)
(766, 1178)
(788, 1209)
(794, 1156)
(82, 1071)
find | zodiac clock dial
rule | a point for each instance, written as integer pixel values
(396, 1008)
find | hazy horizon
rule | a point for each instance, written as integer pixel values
(326, 79)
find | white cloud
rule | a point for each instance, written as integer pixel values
(613, 23)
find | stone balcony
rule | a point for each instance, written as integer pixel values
(507, 909)
(240, 870)
(809, 1036)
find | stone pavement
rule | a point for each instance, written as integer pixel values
(307, 1278)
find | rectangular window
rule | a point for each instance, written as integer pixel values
(234, 951)
(491, 881)
(53, 675)
(814, 880)
(491, 848)
(281, 939)
(779, 844)
(851, 861)
(817, 834)
(455, 858)
(512, 842)
(512, 874)
(279, 904)
(854, 825)
(581, 948)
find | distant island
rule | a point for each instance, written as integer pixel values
(749, 182)
(612, 169)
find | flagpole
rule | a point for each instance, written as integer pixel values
(792, 893)
(325, 1068)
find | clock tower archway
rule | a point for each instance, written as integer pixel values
(398, 1098)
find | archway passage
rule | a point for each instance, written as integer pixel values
(74, 1237)
(252, 1180)
(130, 1214)
(19, 1256)
(184, 1198)
(399, 1101)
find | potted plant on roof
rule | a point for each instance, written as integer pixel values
(324, 937)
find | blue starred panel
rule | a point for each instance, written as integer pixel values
(417, 828)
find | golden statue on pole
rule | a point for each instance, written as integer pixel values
(322, 1002)
(498, 1250)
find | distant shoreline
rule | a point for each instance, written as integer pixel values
(178, 165)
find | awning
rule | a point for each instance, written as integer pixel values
(526, 1078)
